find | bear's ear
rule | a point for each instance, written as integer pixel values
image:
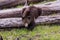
(23, 10)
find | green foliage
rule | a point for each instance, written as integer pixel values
(40, 32)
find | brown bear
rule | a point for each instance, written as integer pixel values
(29, 15)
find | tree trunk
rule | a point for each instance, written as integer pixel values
(16, 12)
(17, 22)
(14, 3)
(47, 8)
(8, 13)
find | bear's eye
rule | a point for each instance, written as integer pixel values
(28, 17)
(23, 17)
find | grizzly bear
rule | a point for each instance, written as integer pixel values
(29, 15)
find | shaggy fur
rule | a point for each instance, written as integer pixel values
(29, 15)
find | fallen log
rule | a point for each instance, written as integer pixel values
(14, 3)
(8, 13)
(17, 22)
(49, 5)
(9, 3)
(46, 10)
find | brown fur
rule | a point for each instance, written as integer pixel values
(29, 14)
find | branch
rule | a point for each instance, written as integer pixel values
(17, 22)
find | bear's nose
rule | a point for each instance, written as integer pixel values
(26, 24)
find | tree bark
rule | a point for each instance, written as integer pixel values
(17, 22)
(9, 3)
(8, 13)
(16, 12)
(14, 3)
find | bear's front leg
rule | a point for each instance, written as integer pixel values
(31, 26)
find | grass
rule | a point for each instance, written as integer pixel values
(40, 32)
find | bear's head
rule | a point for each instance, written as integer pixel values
(29, 14)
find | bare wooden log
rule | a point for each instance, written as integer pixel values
(9, 3)
(17, 22)
(10, 13)
(48, 19)
(46, 9)
(51, 5)
(14, 3)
